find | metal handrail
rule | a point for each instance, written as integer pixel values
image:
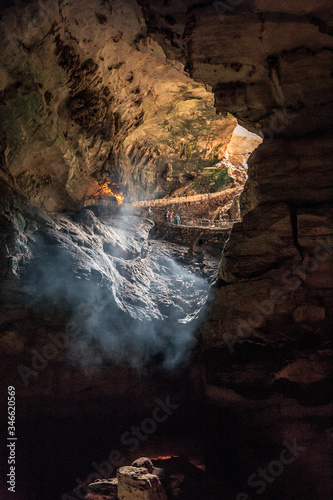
(206, 223)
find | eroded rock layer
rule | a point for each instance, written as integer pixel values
(88, 97)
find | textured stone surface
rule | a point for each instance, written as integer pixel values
(234, 163)
(309, 314)
(87, 96)
(101, 272)
(276, 85)
(103, 488)
(136, 483)
(144, 462)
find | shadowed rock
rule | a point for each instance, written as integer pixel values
(135, 483)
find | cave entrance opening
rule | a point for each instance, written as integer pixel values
(210, 196)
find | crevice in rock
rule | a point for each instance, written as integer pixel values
(294, 228)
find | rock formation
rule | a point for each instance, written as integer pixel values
(85, 102)
(160, 479)
(136, 483)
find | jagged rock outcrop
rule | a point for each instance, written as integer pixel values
(137, 483)
(144, 462)
(93, 271)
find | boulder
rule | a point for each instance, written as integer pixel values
(135, 483)
(106, 487)
(143, 462)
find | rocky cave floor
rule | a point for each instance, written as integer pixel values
(80, 272)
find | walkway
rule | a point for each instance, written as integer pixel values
(162, 202)
(205, 224)
(208, 224)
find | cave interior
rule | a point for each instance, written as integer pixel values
(204, 347)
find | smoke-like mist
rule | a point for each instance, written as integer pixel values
(124, 300)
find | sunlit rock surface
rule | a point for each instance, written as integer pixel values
(144, 462)
(234, 163)
(138, 484)
(87, 96)
(111, 284)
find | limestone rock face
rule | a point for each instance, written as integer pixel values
(274, 85)
(269, 64)
(136, 483)
(102, 273)
(233, 166)
(87, 96)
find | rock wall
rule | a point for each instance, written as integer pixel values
(278, 86)
(87, 97)
(265, 342)
(198, 238)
